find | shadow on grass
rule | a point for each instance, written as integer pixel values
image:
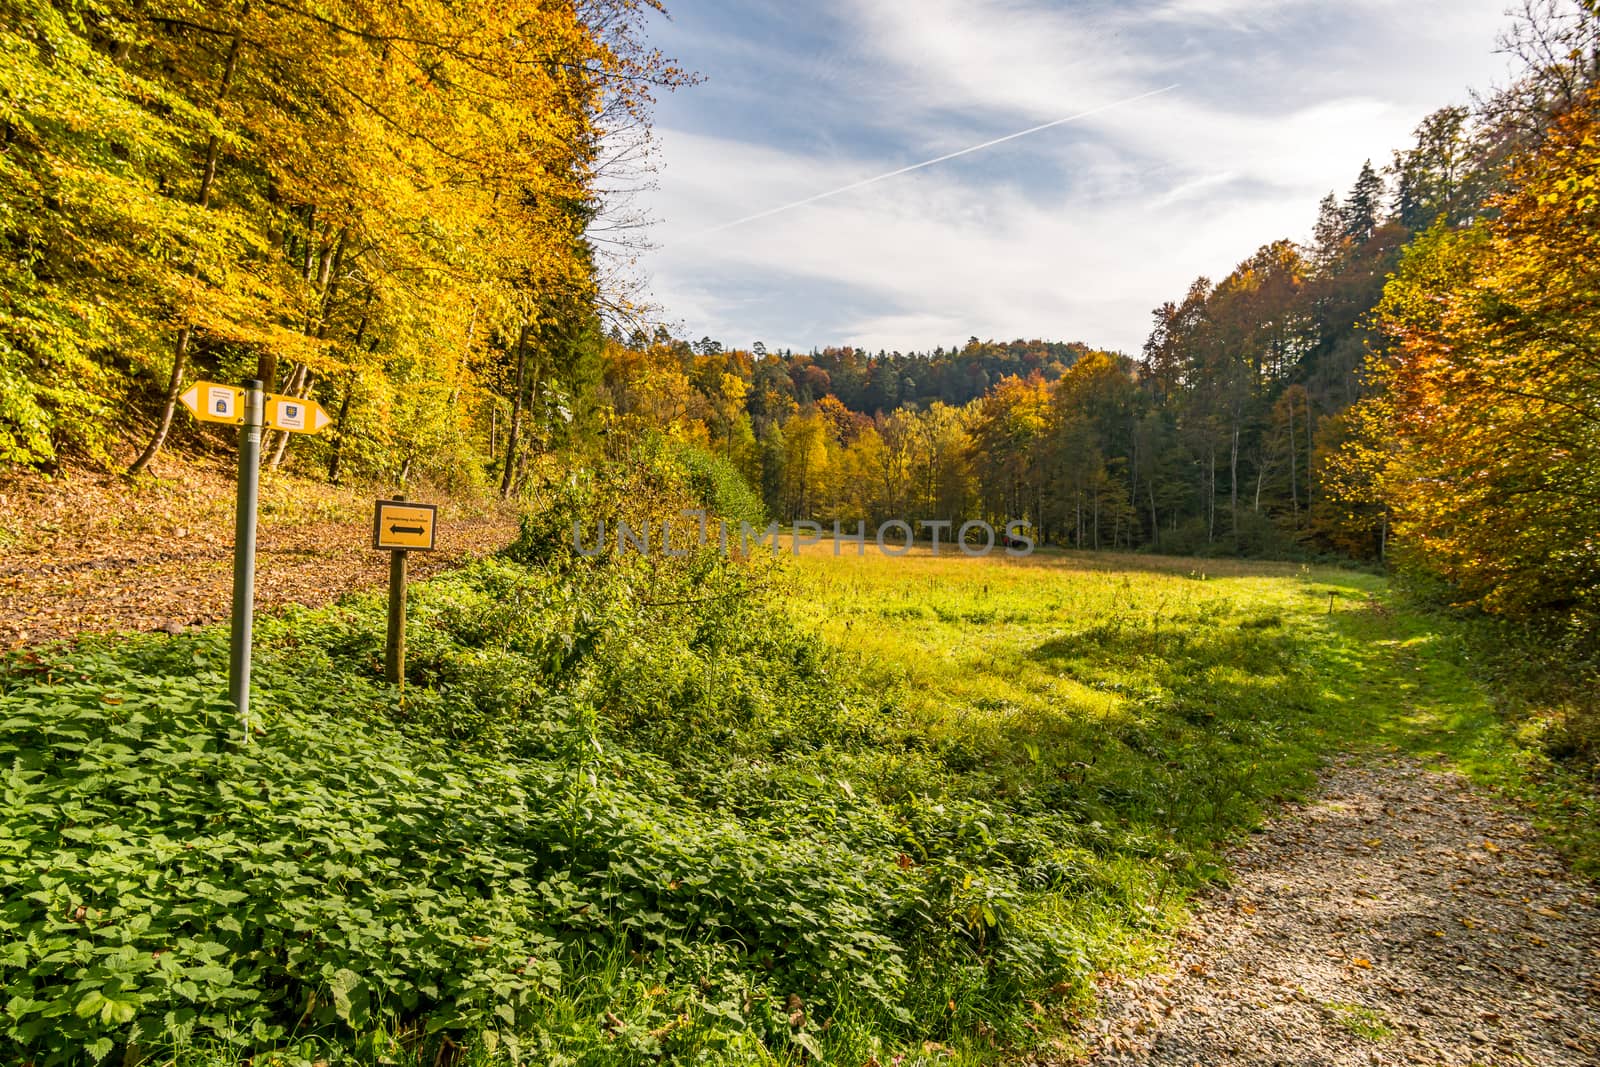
(1204, 567)
(1406, 679)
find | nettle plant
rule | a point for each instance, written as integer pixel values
(161, 885)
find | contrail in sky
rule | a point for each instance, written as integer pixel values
(937, 159)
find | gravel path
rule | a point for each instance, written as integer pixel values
(1400, 918)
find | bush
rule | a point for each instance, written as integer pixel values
(720, 488)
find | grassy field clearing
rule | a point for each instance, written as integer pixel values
(1071, 651)
(1058, 636)
(1177, 693)
(633, 810)
(1159, 703)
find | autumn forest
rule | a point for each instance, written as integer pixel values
(1280, 742)
(449, 284)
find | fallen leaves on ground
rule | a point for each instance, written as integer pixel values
(89, 552)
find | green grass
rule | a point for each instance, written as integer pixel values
(1432, 676)
(1063, 644)
(1359, 1020)
(681, 811)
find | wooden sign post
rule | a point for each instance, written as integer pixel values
(252, 409)
(399, 527)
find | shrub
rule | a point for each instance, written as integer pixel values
(719, 486)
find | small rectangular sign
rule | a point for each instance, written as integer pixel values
(211, 402)
(401, 524)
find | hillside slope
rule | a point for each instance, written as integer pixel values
(84, 551)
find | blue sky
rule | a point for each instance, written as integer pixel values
(1073, 233)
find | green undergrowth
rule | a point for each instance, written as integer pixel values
(677, 809)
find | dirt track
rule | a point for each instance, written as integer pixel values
(1400, 918)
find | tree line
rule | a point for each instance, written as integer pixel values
(1214, 438)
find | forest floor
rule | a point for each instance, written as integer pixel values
(1401, 917)
(85, 551)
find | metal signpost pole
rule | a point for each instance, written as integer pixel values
(244, 552)
(394, 664)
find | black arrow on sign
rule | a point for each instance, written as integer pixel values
(418, 530)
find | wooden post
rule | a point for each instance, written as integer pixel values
(394, 663)
(394, 660)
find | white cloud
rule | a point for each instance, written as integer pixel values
(999, 56)
(940, 259)
(1073, 233)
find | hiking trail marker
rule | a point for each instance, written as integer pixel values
(214, 403)
(211, 402)
(252, 409)
(400, 526)
(292, 414)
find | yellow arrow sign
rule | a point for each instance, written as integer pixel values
(294, 415)
(402, 524)
(211, 402)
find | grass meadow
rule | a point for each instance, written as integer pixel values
(1062, 650)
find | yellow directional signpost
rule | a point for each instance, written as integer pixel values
(397, 524)
(294, 415)
(251, 409)
(215, 403)
(400, 526)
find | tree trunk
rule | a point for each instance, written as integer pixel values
(1233, 484)
(1155, 519)
(299, 385)
(1294, 468)
(327, 283)
(1310, 451)
(508, 474)
(344, 404)
(338, 429)
(267, 370)
(208, 176)
(169, 404)
(1133, 487)
(1211, 492)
